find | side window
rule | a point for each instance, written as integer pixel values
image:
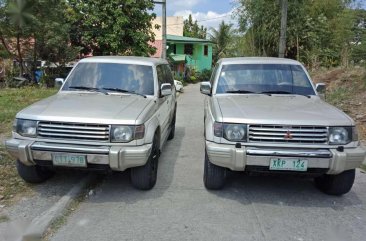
(161, 75)
(299, 77)
(169, 76)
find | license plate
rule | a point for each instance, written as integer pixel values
(288, 164)
(69, 160)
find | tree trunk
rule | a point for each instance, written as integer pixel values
(297, 48)
(20, 58)
(3, 41)
(282, 43)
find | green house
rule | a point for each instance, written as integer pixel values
(194, 53)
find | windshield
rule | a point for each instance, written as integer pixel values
(264, 78)
(130, 77)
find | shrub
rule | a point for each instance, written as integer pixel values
(205, 75)
(193, 79)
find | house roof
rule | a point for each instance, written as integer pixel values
(182, 39)
(178, 57)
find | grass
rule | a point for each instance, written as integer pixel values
(363, 167)
(10, 182)
(11, 102)
(338, 96)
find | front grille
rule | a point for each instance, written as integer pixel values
(288, 134)
(76, 131)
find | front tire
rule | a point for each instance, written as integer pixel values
(213, 176)
(33, 174)
(144, 177)
(336, 184)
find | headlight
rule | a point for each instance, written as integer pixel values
(340, 135)
(235, 132)
(127, 133)
(231, 132)
(25, 127)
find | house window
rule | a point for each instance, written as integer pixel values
(205, 50)
(188, 49)
(174, 49)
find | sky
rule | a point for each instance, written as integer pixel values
(209, 13)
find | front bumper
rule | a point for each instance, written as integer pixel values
(237, 159)
(118, 158)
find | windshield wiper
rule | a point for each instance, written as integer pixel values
(282, 92)
(93, 89)
(240, 92)
(124, 91)
(277, 92)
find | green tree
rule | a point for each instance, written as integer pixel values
(318, 32)
(16, 20)
(40, 30)
(358, 44)
(222, 39)
(193, 30)
(112, 27)
(51, 32)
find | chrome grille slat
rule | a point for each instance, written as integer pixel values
(278, 134)
(73, 126)
(72, 136)
(76, 131)
(291, 130)
(294, 134)
(293, 139)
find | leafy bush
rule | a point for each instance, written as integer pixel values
(193, 79)
(205, 75)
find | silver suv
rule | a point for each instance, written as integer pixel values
(110, 113)
(265, 115)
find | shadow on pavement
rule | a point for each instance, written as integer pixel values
(116, 186)
(282, 190)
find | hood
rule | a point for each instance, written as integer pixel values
(88, 108)
(280, 109)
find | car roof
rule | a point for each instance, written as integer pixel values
(257, 60)
(124, 60)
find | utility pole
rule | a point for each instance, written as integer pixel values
(282, 44)
(163, 3)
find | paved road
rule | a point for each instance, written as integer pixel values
(180, 208)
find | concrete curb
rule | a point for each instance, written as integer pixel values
(41, 223)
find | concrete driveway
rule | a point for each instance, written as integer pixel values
(180, 208)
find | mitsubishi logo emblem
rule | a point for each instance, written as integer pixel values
(288, 135)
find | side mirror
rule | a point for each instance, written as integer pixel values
(321, 89)
(166, 89)
(205, 88)
(59, 82)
